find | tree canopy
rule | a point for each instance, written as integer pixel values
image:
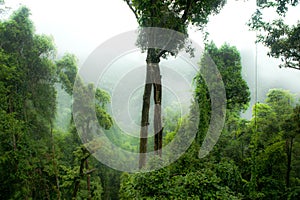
(175, 15)
(281, 38)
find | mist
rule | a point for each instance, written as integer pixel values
(79, 28)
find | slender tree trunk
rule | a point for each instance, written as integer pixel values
(289, 146)
(10, 111)
(77, 179)
(145, 116)
(88, 180)
(157, 110)
(80, 175)
(54, 162)
(153, 77)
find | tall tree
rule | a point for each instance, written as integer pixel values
(28, 75)
(273, 142)
(228, 61)
(291, 131)
(169, 14)
(81, 167)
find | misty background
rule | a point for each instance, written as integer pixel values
(79, 27)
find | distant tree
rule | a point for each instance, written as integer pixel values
(73, 180)
(169, 14)
(273, 146)
(282, 102)
(228, 61)
(291, 128)
(37, 161)
(282, 39)
(67, 71)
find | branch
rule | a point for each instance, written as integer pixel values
(84, 150)
(90, 171)
(132, 9)
(186, 11)
(292, 67)
(162, 52)
(178, 175)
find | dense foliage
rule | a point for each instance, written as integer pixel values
(41, 158)
(253, 159)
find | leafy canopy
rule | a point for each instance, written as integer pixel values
(282, 39)
(175, 15)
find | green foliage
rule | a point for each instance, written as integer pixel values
(85, 94)
(172, 123)
(281, 101)
(189, 177)
(174, 15)
(27, 109)
(282, 39)
(272, 144)
(255, 159)
(228, 61)
(67, 71)
(162, 184)
(37, 161)
(63, 116)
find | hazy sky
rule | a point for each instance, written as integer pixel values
(80, 26)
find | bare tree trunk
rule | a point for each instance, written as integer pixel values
(145, 116)
(157, 110)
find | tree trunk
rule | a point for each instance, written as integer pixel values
(289, 146)
(81, 173)
(153, 77)
(57, 189)
(157, 110)
(77, 179)
(88, 179)
(145, 116)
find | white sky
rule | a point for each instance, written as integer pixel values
(80, 26)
